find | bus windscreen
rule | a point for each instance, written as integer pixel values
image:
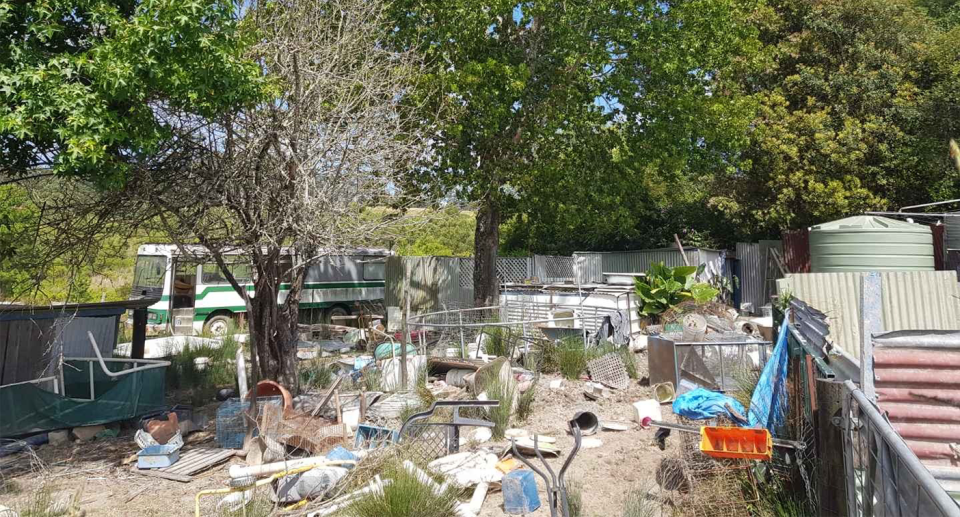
(148, 274)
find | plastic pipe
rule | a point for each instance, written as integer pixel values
(238, 471)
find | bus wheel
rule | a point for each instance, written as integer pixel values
(218, 325)
(335, 312)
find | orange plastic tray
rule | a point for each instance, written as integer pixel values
(736, 442)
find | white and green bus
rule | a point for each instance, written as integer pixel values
(196, 297)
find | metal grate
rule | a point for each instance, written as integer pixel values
(609, 370)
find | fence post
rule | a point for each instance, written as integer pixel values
(871, 322)
(463, 349)
(830, 478)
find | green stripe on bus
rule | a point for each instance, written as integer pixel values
(285, 287)
(202, 313)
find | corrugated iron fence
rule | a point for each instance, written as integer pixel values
(878, 472)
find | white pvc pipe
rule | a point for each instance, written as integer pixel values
(103, 365)
(267, 469)
(376, 485)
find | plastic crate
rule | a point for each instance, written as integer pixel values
(158, 456)
(231, 427)
(736, 442)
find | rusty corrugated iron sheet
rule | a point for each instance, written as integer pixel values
(911, 300)
(939, 252)
(796, 250)
(917, 381)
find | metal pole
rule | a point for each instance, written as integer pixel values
(403, 344)
(463, 345)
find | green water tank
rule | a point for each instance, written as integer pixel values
(869, 243)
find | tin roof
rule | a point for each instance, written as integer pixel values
(911, 300)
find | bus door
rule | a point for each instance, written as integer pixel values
(183, 296)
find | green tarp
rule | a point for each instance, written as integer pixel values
(25, 408)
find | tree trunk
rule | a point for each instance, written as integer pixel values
(486, 288)
(274, 327)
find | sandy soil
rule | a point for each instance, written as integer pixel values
(106, 486)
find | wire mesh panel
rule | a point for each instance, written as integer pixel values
(552, 269)
(884, 477)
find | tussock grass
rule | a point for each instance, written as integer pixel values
(316, 374)
(500, 341)
(571, 358)
(500, 414)
(259, 505)
(575, 498)
(202, 382)
(641, 503)
(405, 496)
(371, 379)
(525, 402)
(42, 504)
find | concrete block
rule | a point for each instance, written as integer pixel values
(87, 433)
(59, 437)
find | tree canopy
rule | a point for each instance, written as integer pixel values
(88, 87)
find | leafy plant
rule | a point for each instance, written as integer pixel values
(665, 287)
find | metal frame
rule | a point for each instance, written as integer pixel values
(761, 345)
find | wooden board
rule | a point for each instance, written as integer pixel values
(190, 463)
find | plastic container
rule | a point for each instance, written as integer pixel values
(646, 410)
(158, 456)
(520, 492)
(313, 483)
(736, 442)
(664, 392)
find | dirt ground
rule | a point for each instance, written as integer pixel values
(626, 461)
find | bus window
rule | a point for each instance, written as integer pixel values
(184, 284)
(148, 276)
(211, 274)
(374, 270)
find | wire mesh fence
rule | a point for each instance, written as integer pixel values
(884, 477)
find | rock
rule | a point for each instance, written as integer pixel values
(58, 437)
(87, 433)
(556, 384)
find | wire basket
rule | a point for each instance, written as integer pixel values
(231, 427)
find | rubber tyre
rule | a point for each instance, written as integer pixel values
(337, 310)
(218, 325)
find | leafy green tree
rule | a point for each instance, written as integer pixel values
(447, 232)
(847, 118)
(551, 100)
(90, 87)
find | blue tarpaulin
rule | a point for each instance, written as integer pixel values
(702, 404)
(769, 403)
